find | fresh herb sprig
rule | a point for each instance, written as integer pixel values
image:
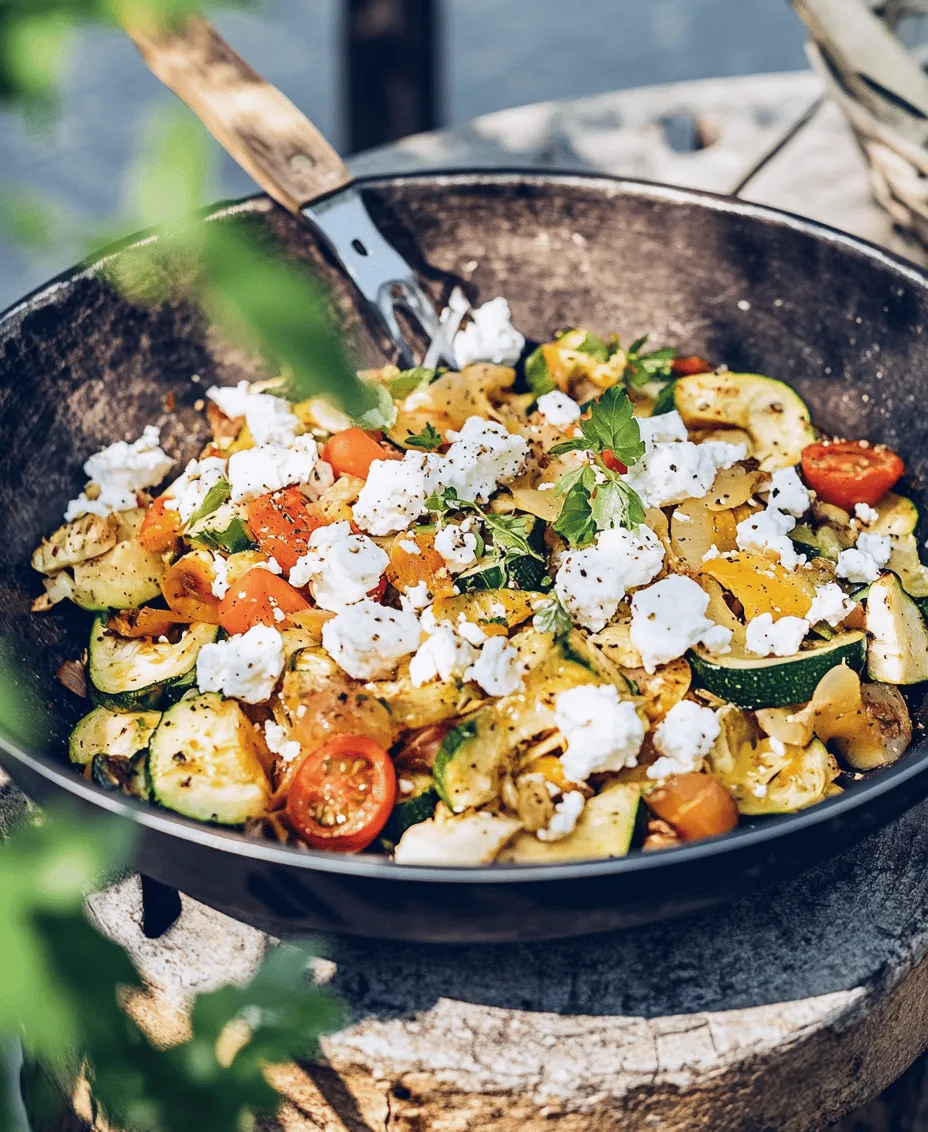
(428, 439)
(640, 368)
(511, 533)
(552, 617)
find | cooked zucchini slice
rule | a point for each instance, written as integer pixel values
(898, 652)
(604, 829)
(898, 516)
(904, 562)
(411, 809)
(775, 415)
(85, 538)
(522, 573)
(115, 734)
(204, 762)
(139, 672)
(776, 681)
(123, 578)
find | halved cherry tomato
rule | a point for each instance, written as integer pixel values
(160, 527)
(146, 622)
(612, 463)
(282, 522)
(695, 804)
(188, 587)
(376, 594)
(351, 453)
(845, 472)
(690, 364)
(342, 794)
(421, 747)
(259, 598)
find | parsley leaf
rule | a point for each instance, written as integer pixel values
(615, 504)
(552, 617)
(641, 368)
(575, 522)
(429, 438)
(583, 475)
(537, 374)
(410, 380)
(593, 346)
(441, 502)
(611, 426)
(512, 535)
(383, 412)
(218, 494)
(666, 400)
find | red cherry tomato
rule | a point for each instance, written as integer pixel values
(845, 472)
(259, 598)
(343, 793)
(690, 364)
(612, 463)
(352, 452)
(282, 522)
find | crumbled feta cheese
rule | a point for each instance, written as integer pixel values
(416, 597)
(270, 467)
(244, 667)
(684, 737)
(339, 567)
(269, 418)
(766, 637)
(670, 617)
(277, 739)
(409, 546)
(662, 429)
(602, 732)
(367, 640)
(483, 454)
(862, 563)
(767, 533)
(592, 582)
(187, 494)
(788, 493)
(119, 471)
(272, 565)
(760, 790)
(469, 631)
(464, 839)
(712, 552)
(220, 583)
(830, 604)
(566, 815)
(457, 546)
(497, 670)
(865, 513)
(674, 469)
(489, 336)
(558, 409)
(443, 656)
(395, 493)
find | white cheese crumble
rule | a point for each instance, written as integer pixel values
(395, 493)
(497, 669)
(558, 409)
(270, 467)
(470, 631)
(672, 468)
(670, 617)
(457, 546)
(188, 492)
(592, 582)
(603, 733)
(483, 454)
(220, 582)
(489, 336)
(788, 493)
(864, 513)
(443, 656)
(864, 561)
(830, 604)
(766, 637)
(367, 640)
(276, 738)
(119, 471)
(340, 568)
(564, 820)
(244, 667)
(269, 418)
(416, 597)
(409, 546)
(684, 737)
(767, 533)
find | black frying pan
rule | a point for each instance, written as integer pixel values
(840, 320)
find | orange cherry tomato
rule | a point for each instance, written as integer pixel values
(690, 364)
(160, 527)
(146, 622)
(282, 522)
(696, 805)
(259, 598)
(188, 587)
(845, 472)
(612, 463)
(351, 453)
(343, 793)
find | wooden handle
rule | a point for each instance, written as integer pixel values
(253, 121)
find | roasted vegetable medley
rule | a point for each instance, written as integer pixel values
(561, 604)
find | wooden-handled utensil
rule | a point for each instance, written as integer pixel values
(284, 152)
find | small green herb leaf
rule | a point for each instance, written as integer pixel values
(666, 400)
(537, 375)
(215, 497)
(429, 438)
(641, 368)
(615, 504)
(410, 380)
(552, 617)
(611, 426)
(575, 522)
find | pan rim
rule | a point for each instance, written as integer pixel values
(912, 765)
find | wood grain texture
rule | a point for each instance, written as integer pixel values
(251, 119)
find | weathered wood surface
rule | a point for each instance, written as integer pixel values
(781, 1012)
